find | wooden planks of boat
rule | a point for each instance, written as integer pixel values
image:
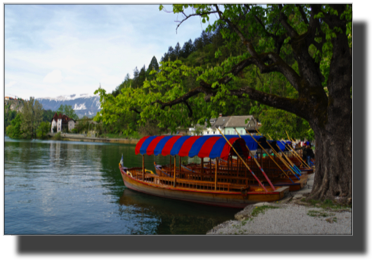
(223, 194)
(192, 171)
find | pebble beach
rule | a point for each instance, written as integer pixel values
(288, 217)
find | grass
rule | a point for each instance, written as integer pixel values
(57, 136)
(327, 204)
(257, 210)
(314, 213)
(120, 136)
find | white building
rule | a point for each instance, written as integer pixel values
(62, 122)
(227, 125)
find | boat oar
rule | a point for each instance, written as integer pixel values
(287, 164)
(188, 168)
(257, 163)
(158, 168)
(297, 155)
(269, 155)
(244, 162)
(295, 151)
(293, 166)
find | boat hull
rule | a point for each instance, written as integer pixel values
(208, 197)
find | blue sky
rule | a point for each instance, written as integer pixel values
(53, 50)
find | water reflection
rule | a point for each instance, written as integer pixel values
(175, 217)
(61, 187)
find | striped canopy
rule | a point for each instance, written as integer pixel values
(191, 146)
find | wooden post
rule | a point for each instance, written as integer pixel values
(170, 164)
(143, 173)
(174, 171)
(210, 170)
(202, 165)
(228, 165)
(179, 167)
(217, 161)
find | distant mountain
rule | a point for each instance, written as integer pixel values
(83, 104)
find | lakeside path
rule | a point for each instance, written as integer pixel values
(80, 137)
(290, 216)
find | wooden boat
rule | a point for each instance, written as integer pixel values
(217, 190)
(238, 173)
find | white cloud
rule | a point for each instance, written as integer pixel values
(10, 84)
(80, 52)
(53, 77)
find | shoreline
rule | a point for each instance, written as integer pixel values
(289, 216)
(80, 137)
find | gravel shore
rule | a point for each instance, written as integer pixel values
(288, 217)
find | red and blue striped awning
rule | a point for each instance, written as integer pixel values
(191, 146)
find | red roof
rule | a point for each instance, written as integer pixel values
(65, 119)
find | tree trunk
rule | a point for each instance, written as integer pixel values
(333, 155)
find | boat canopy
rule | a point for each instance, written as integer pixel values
(191, 146)
(212, 146)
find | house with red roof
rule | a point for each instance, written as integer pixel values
(62, 122)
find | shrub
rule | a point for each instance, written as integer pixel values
(57, 136)
(43, 129)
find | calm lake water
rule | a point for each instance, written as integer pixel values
(62, 187)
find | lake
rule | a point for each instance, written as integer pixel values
(75, 188)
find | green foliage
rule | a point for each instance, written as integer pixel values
(211, 57)
(13, 130)
(48, 115)
(43, 129)
(31, 116)
(68, 111)
(57, 136)
(9, 115)
(261, 209)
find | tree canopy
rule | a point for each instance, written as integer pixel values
(290, 65)
(31, 116)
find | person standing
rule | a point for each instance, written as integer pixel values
(308, 153)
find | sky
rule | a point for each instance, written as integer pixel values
(54, 50)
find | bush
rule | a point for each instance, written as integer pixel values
(74, 130)
(57, 136)
(43, 129)
(55, 129)
(13, 130)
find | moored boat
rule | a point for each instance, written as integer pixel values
(185, 185)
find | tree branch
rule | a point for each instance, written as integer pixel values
(295, 106)
(189, 16)
(303, 15)
(190, 113)
(283, 19)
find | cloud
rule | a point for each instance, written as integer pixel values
(10, 84)
(53, 77)
(80, 52)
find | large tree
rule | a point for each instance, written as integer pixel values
(318, 37)
(31, 116)
(307, 46)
